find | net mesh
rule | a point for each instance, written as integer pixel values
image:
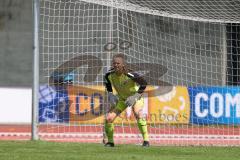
(187, 51)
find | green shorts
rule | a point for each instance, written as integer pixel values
(121, 106)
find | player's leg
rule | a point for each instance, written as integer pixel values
(109, 125)
(141, 121)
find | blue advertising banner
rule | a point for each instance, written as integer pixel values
(53, 104)
(214, 105)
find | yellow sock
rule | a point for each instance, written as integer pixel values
(109, 129)
(142, 125)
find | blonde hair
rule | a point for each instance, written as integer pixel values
(124, 58)
(120, 55)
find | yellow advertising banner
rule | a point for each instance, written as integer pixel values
(172, 107)
(88, 106)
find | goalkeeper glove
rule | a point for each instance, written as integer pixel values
(131, 100)
(112, 98)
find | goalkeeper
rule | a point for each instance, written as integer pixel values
(129, 87)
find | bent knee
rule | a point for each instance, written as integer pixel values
(110, 118)
(140, 115)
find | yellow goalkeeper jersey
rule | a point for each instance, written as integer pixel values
(124, 84)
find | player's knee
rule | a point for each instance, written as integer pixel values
(139, 114)
(109, 118)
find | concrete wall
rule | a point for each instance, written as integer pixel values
(15, 43)
(191, 51)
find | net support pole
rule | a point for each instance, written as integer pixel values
(224, 59)
(110, 33)
(35, 84)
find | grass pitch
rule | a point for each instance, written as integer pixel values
(42, 150)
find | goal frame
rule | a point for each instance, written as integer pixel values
(36, 55)
(35, 84)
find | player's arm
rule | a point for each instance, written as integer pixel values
(139, 80)
(107, 82)
(131, 100)
(111, 97)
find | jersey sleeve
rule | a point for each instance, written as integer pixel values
(107, 82)
(139, 80)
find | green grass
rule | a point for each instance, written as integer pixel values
(41, 150)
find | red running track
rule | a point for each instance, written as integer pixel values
(164, 135)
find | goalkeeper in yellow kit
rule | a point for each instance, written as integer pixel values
(129, 87)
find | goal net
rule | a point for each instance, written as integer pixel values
(188, 51)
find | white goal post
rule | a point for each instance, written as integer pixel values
(188, 51)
